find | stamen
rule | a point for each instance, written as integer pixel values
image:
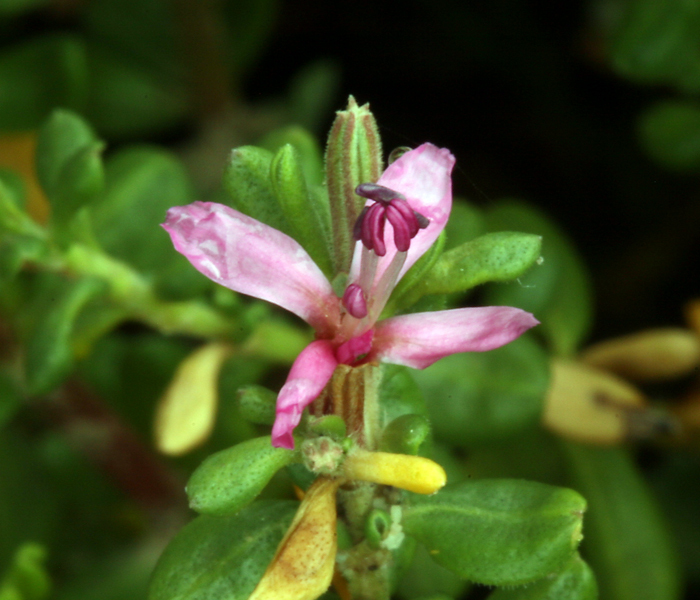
(391, 205)
(355, 301)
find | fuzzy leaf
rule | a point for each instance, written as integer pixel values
(499, 531)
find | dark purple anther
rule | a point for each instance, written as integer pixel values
(391, 206)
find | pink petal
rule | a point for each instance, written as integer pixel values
(418, 340)
(254, 259)
(423, 176)
(308, 376)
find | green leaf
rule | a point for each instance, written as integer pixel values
(127, 100)
(557, 292)
(299, 207)
(425, 578)
(142, 183)
(405, 434)
(627, 541)
(231, 479)
(656, 43)
(477, 397)
(575, 582)
(466, 223)
(670, 133)
(399, 394)
(38, 75)
(499, 531)
(13, 218)
(27, 578)
(247, 181)
(10, 398)
(221, 558)
(310, 154)
(492, 257)
(257, 404)
(49, 354)
(69, 163)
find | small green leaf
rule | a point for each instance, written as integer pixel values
(13, 219)
(500, 531)
(575, 582)
(466, 223)
(38, 75)
(557, 292)
(221, 558)
(478, 397)
(492, 257)
(80, 181)
(49, 355)
(627, 541)
(247, 181)
(426, 579)
(61, 137)
(298, 206)
(257, 404)
(27, 578)
(231, 479)
(670, 133)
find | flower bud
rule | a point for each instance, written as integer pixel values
(353, 156)
(412, 473)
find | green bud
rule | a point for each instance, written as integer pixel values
(231, 479)
(353, 156)
(405, 435)
(376, 527)
(329, 425)
(257, 404)
(499, 256)
(300, 208)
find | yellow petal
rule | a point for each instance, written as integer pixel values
(186, 413)
(303, 566)
(412, 473)
(654, 354)
(589, 405)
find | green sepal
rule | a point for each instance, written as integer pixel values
(627, 540)
(558, 291)
(301, 213)
(501, 256)
(479, 397)
(247, 181)
(575, 582)
(221, 557)
(231, 479)
(26, 579)
(353, 156)
(670, 133)
(44, 72)
(257, 404)
(405, 434)
(518, 531)
(50, 354)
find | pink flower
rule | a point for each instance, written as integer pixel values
(414, 197)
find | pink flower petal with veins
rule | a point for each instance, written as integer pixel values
(418, 340)
(251, 258)
(309, 374)
(423, 176)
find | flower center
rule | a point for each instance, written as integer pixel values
(389, 206)
(365, 297)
